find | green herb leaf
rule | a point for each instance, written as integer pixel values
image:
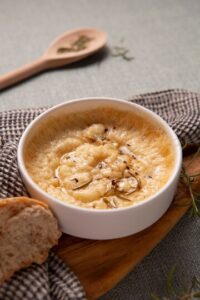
(121, 51)
(190, 291)
(170, 279)
(188, 180)
(80, 44)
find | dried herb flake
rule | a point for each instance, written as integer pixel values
(80, 44)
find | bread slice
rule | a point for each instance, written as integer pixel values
(28, 230)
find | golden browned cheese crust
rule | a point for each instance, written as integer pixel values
(100, 159)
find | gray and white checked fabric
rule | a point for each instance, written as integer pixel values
(179, 108)
(53, 280)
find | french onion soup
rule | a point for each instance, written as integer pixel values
(100, 159)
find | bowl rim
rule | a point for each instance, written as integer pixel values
(167, 128)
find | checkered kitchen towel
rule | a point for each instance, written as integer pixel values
(53, 280)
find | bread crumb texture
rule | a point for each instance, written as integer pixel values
(28, 230)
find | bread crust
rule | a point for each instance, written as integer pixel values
(25, 200)
(23, 265)
(17, 206)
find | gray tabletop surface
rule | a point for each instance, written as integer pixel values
(164, 39)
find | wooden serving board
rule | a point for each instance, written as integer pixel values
(100, 265)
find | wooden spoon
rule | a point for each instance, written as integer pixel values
(67, 48)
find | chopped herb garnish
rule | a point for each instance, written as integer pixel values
(80, 44)
(75, 179)
(113, 182)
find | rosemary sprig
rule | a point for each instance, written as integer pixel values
(120, 51)
(169, 282)
(78, 45)
(190, 291)
(189, 180)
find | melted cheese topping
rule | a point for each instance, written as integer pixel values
(100, 159)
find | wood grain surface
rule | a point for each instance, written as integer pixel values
(100, 265)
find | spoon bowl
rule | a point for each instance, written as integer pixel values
(86, 40)
(67, 48)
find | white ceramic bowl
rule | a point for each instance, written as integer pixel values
(103, 224)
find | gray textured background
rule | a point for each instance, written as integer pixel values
(164, 38)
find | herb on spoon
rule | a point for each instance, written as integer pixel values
(80, 44)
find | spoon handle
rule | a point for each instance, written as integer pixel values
(22, 73)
